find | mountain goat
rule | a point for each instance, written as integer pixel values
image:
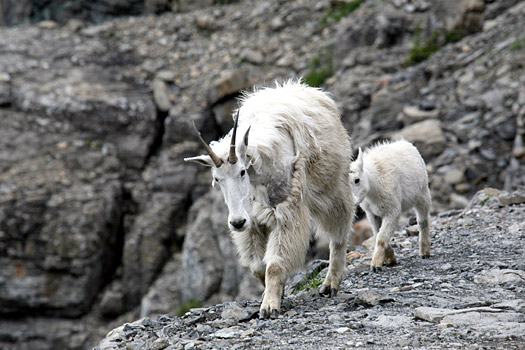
(386, 181)
(287, 174)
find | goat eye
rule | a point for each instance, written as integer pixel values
(216, 180)
(356, 181)
(243, 172)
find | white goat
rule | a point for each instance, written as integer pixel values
(292, 173)
(386, 181)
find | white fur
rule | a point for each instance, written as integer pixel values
(386, 181)
(296, 161)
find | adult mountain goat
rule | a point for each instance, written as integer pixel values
(288, 173)
(387, 180)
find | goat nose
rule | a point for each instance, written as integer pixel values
(238, 224)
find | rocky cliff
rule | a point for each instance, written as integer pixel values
(101, 222)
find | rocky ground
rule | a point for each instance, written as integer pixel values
(469, 295)
(101, 221)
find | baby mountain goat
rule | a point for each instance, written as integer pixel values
(387, 180)
(289, 172)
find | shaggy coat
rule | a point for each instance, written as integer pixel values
(386, 181)
(290, 173)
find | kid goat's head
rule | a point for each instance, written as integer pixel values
(231, 175)
(358, 178)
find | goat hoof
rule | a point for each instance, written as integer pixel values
(274, 314)
(323, 289)
(425, 256)
(375, 268)
(326, 291)
(263, 315)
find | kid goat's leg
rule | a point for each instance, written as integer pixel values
(383, 252)
(375, 221)
(423, 218)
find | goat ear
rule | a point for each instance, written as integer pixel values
(243, 146)
(360, 159)
(203, 160)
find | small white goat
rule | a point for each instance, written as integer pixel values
(292, 173)
(386, 181)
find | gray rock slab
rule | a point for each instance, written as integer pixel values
(497, 276)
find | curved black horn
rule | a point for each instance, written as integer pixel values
(216, 160)
(232, 158)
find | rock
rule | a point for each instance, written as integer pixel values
(112, 301)
(5, 94)
(47, 25)
(515, 197)
(14, 12)
(432, 314)
(164, 295)
(427, 136)
(515, 228)
(206, 22)
(146, 248)
(128, 119)
(66, 211)
(342, 330)
(483, 319)
(493, 98)
(413, 114)
(229, 83)
(500, 276)
(390, 322)
(362, 231)
(454, 176)
(5, 77)
(160, 343)
(234, 311)
(466, 15)
(472, 17)
(227, 333)
(189, 5)
(161, 95)
(412, 230)
(369, 244)
(252, 56)
(458, 201)
(156, 6)
(335, 319)
(372, 298)
(388, 103)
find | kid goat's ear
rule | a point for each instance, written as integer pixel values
(360, 159)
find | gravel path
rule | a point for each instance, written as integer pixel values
(469, 295)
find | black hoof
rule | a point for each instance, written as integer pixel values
(323, 290)
(333, 292)
(375, 268)
(263, 315)
(274, 314)
(425, 256)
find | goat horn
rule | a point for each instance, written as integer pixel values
(232, 158)
(216, 160)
